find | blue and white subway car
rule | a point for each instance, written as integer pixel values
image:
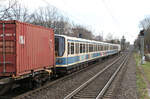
(72, 52)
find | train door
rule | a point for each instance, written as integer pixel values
(60, 50)
(68, 51)
(77, 51)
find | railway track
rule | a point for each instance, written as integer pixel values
(30, 94)
(95, 87)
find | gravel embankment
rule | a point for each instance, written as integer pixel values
(93, 88)
(127, 89)
(63, 88)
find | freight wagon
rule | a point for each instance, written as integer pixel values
(26, 51)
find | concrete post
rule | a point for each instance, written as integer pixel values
(142, 49)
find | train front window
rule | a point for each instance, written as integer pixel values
(59, 45)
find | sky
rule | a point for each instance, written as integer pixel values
(118, 17)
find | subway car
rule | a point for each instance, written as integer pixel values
(72, 52)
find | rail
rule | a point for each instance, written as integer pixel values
(94, 77)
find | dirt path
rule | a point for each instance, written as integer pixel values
(127, 89)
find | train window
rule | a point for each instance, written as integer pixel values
(90, 48)
(116, 47)
(72, 48)
(59, 45)
(113, 47)
(87, 48)
(68, 48)
(104, 47)
(77, 48)
(101, 47)
(93, 48)
(81, 48)
(97, 48)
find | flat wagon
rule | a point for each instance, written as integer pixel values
(25, 50)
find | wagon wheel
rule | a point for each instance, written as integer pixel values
(5, 88)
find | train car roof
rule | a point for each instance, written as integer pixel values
(83, 40)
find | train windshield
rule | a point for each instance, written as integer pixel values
(59, 45)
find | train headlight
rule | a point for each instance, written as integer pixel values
(59, 61)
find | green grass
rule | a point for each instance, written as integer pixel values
(146, 68)
(141, 85)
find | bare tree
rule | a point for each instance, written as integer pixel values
(145, 23)
(51, 18)
(82, 32)
(109, 37)
(14, 11)
(48, 16)
(5, 9)
(99, 37)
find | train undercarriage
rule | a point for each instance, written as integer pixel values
(29, 81)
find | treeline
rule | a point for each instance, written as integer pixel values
(48, 16)
(145, 28)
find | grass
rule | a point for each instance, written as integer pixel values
(146, 68)
(141, 85)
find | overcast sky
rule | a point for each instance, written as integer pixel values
(118, 17)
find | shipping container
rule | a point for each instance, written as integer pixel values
(25, 48)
